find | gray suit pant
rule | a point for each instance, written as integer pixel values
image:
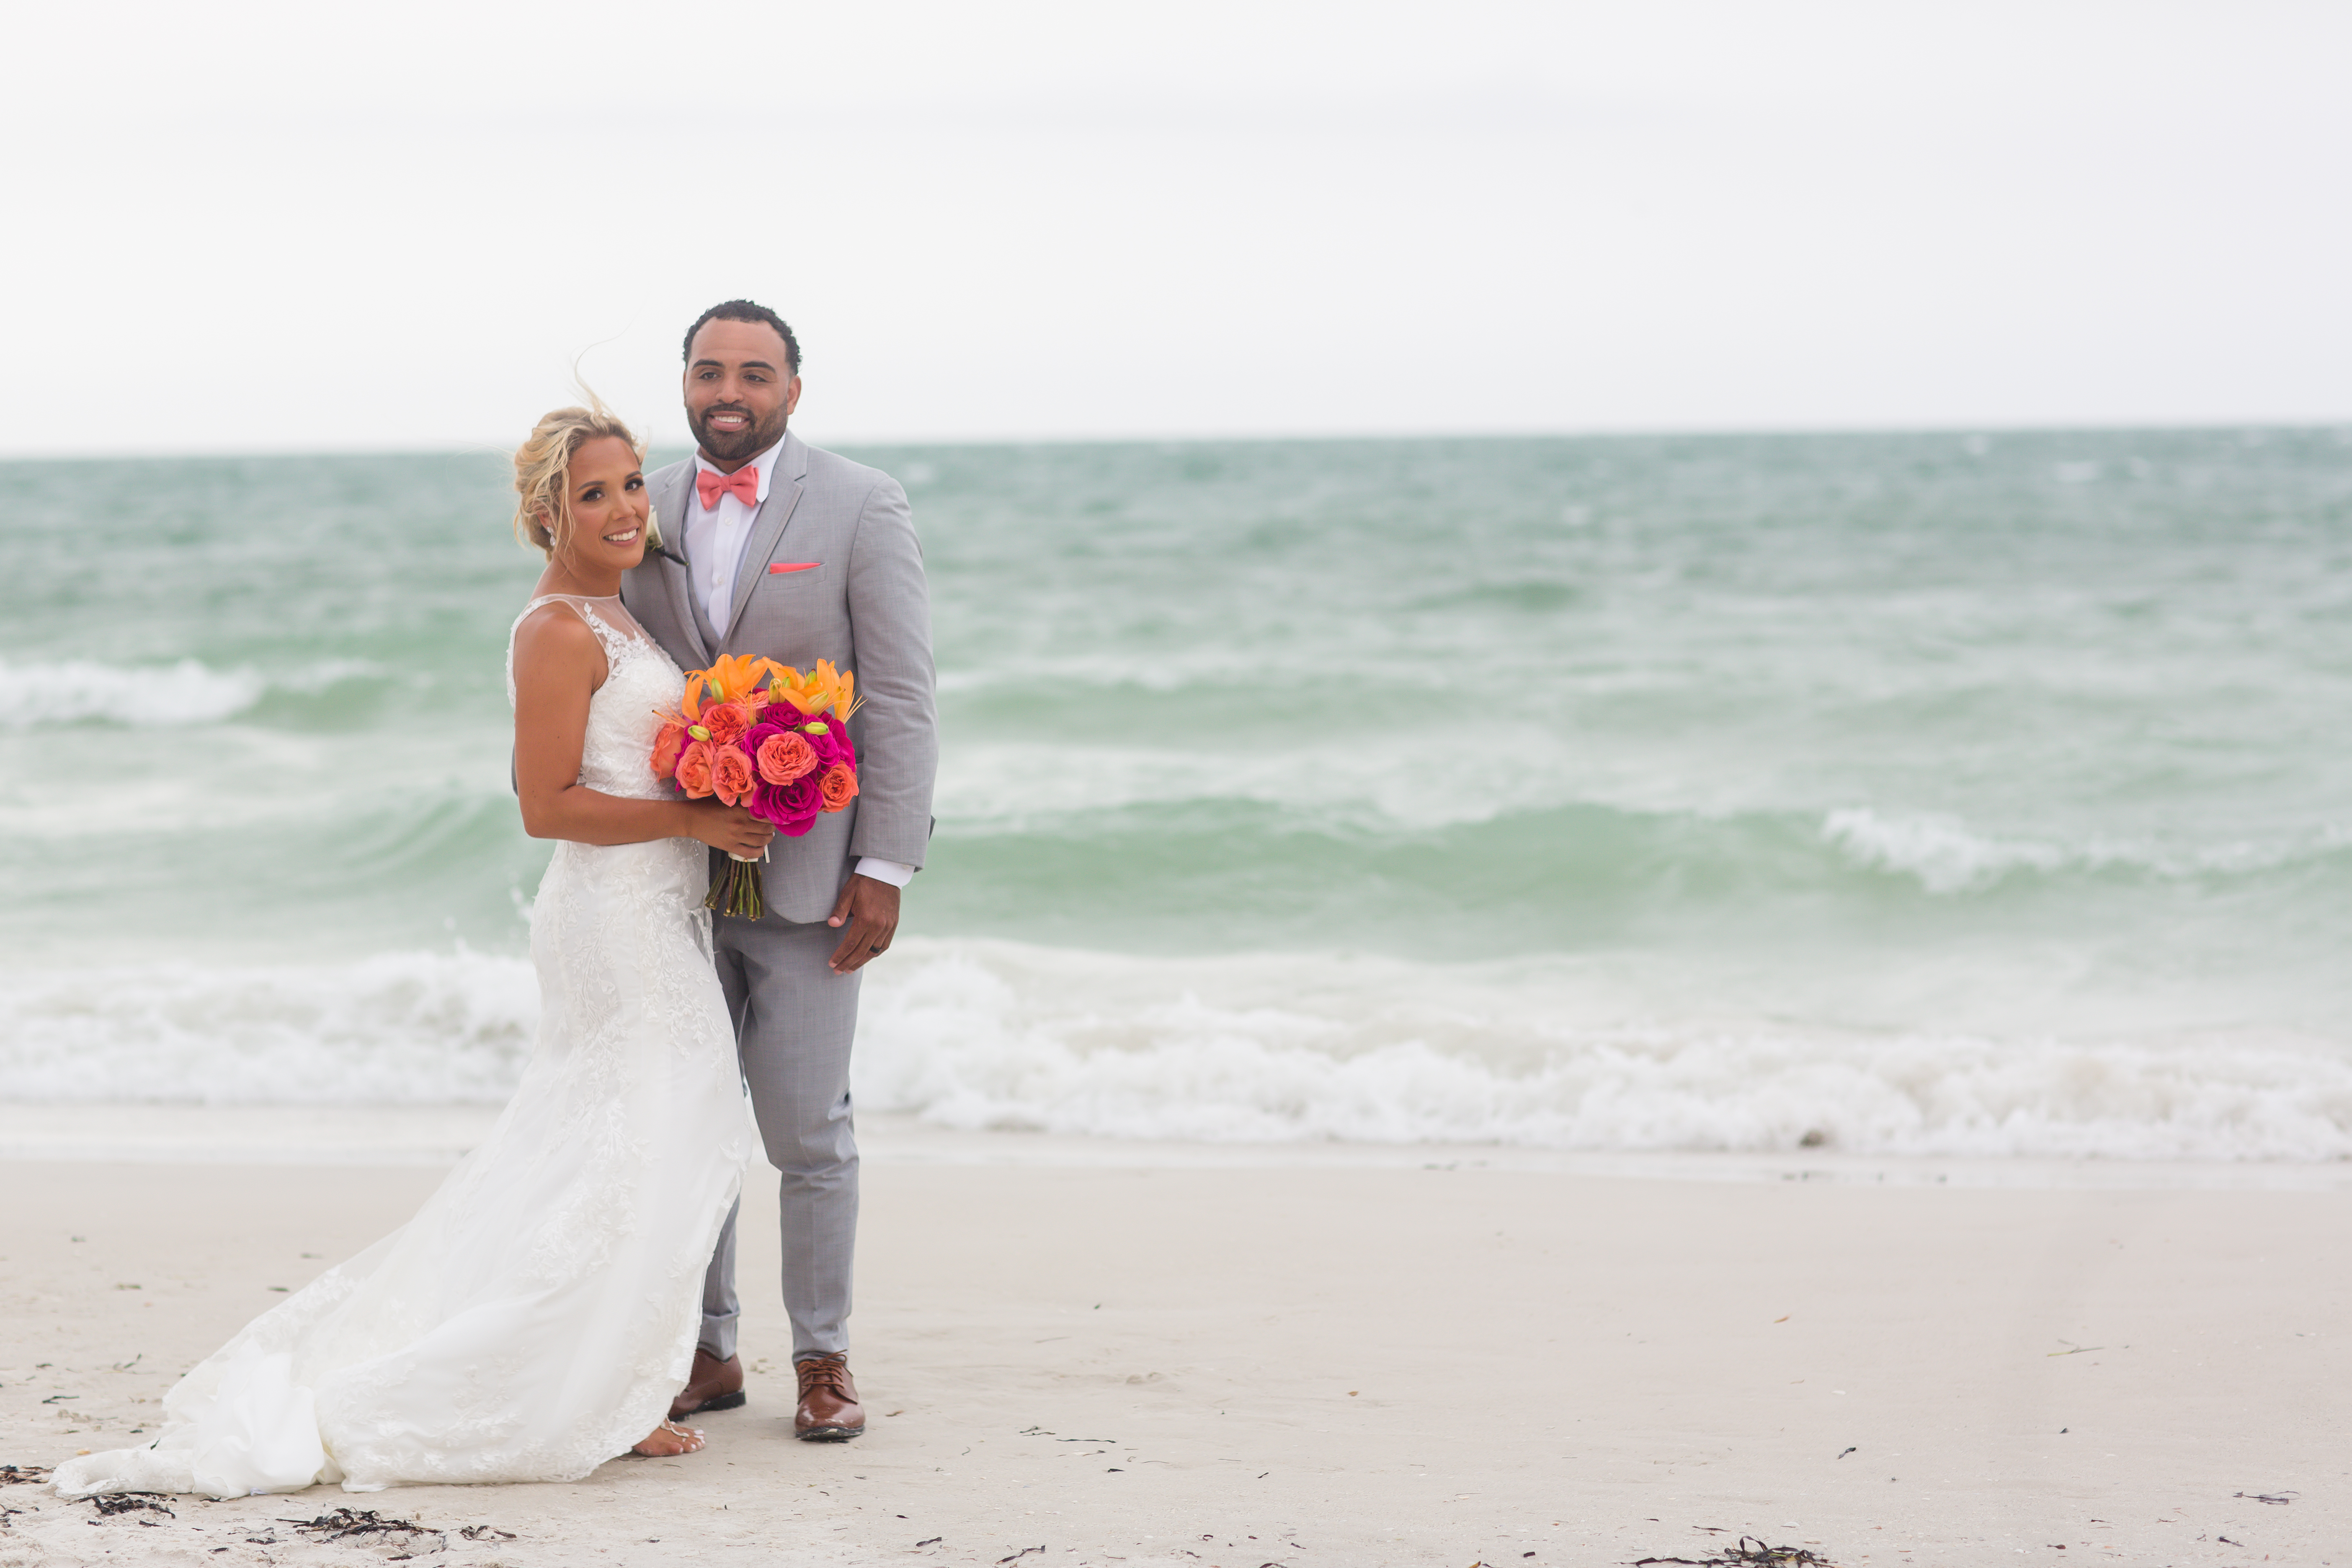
(793, 1020)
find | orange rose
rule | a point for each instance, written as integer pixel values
(730, 773)
(727, 721)
(693, 774)
(785, 757)
(667, 746)
(839, 787)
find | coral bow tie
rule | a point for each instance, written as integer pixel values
(743, 484)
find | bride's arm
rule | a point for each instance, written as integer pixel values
(558, 666)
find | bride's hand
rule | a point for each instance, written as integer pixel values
(729, 827)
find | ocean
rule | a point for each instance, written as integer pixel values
(1957, 794)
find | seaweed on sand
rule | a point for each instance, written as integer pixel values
(1750, 1552)
(362, 1524)
(111, 1503)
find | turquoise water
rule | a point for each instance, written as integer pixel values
(2016, 755)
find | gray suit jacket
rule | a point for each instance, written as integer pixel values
(863, 605)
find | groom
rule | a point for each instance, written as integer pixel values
(773, 549)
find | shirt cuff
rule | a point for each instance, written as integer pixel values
(890, 871)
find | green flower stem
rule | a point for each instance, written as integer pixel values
(735, 890)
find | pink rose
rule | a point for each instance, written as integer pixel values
(825, 738)
(792, 807)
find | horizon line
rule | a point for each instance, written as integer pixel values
(459, 448)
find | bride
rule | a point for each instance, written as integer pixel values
(538, 1314)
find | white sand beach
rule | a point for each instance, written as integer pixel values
(1084, 1352)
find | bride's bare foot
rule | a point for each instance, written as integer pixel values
(669, 1438)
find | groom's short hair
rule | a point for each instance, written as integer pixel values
(745, 311)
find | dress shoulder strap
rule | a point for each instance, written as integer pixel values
(574, 602)
(614, 639)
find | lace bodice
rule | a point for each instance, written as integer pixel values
(640, 681)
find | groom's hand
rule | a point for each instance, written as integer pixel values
(867, 910)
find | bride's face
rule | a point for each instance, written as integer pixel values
(608, 507)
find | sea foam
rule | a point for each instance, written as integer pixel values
(980, 1034)
(34, 693)
(1946, 856)
(395, 1029)
(987, 1035)
(76, 691)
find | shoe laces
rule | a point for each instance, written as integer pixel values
(826, 1372)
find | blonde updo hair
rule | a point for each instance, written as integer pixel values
(544, 472)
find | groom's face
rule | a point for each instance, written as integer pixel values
(739, 390)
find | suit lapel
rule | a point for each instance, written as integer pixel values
(783, 495)
(670, 508)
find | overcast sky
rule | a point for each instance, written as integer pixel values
(261, 227)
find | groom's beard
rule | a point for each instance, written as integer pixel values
(748, 442)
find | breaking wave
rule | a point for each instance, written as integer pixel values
(985, 1035)
(78, 691)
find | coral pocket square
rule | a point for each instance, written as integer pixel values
(776, 567)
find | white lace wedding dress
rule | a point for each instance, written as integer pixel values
(538, 1314)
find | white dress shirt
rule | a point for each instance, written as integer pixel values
(715, 540)
(714, 551)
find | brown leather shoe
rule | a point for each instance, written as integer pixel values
(829, 1411)
(713, 1384)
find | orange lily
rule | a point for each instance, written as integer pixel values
(731, 677)
(814, 693)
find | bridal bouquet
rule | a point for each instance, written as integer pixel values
(763, 735)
